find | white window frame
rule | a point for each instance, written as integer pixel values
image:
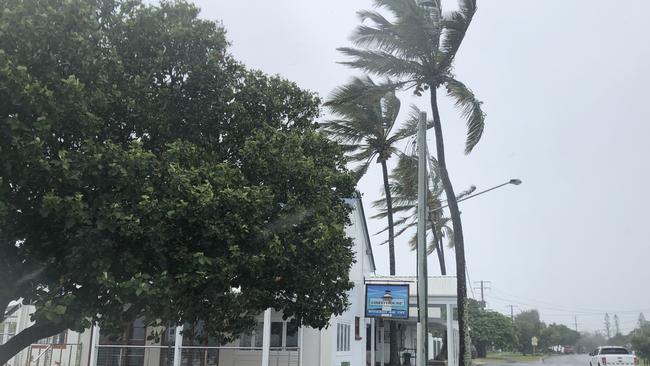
(5, 335)
(284, 347)
(343, 342)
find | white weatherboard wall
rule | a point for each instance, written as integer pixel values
(320, 347)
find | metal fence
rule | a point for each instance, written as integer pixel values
(52, 355)
(121, 355)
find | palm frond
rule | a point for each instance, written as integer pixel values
(449, 234)
(470, 109)
(382, 63)
(409, 128)
(455, 25)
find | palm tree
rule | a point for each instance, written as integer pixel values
(366, 117)
(404, 195)
(417, 47)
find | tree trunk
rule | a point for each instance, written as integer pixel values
(389, 216)
(394, 355)
(28, 336)
(439, 249)
(463, 359)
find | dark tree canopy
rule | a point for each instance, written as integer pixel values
(144, 172)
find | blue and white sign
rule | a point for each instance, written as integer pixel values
(387, 301)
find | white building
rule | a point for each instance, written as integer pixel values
(351, 339)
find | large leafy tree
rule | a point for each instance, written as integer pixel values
(364, 122)
(489, 329)
(145, 172)
(528, 325)
(417, 46)
(558, 335)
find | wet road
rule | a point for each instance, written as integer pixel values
(568, 360)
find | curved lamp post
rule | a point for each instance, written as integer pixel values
(514, 182)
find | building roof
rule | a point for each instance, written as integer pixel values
(11, 309)
(357, 202)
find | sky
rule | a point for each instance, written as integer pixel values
(565, 88)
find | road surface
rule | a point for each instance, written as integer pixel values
(568, 360)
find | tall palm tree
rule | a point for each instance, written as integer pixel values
(365, 118)
(417, 47)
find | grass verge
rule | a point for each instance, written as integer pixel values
(506, 357)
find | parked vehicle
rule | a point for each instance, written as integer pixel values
(568, 350)
(612, 356)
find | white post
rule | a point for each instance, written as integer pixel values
(94, 344)
(451, 349)
(178, 344)
(372, 342)
(266, 338)
(301, 333)
(381, 343)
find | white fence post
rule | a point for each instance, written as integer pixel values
(178, 344)
(266, 338)
(94, 344)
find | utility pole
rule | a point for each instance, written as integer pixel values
(576, 322)
(423, 298)
(481, 285)
(512, 312)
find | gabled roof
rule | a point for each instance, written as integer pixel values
(11, 309)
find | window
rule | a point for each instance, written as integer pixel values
(283, 335)
(57, 339)
(342, 337)
(292, 334)
(357, 328)
(276, 334)
(253, 339)
(614, 351)
(138, 330)
(7, 331)
(259, 335)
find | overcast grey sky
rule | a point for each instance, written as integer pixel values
(565, 88)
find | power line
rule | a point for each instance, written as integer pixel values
(483, 287)
(568, 311)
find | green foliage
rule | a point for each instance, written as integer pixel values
(365, 119)
(146, 173)
(403, 185)
(489, 328)
(558, 335)
(528, 326)
(641, 341)
(417, 46)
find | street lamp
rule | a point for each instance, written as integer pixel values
(514, 182)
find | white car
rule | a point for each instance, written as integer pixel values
(612, 356)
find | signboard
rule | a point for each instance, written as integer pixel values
(387, 301)
(533, 341)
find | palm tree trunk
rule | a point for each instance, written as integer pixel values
(394, 355)
(463, 359)
(389, 216)
(439, 249)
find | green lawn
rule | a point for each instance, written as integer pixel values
(506, 357)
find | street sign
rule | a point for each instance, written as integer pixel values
(387, 301)
(534, 341)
